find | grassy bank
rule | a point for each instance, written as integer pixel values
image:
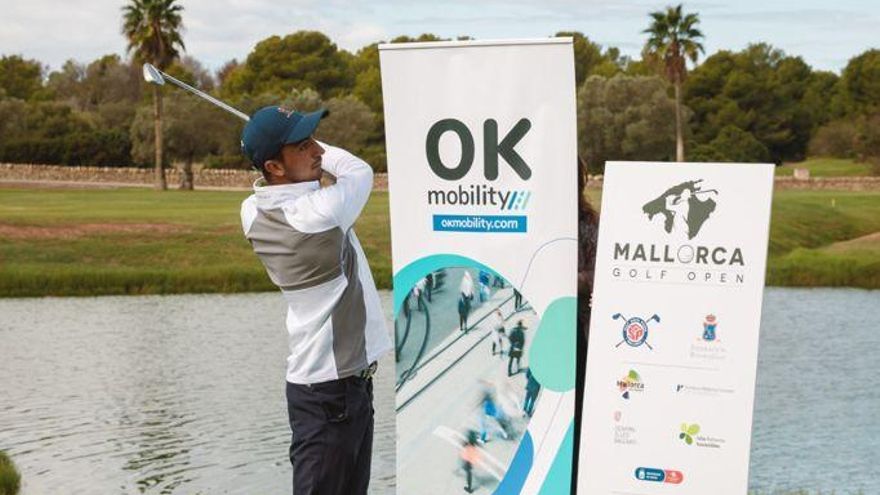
(138, 241)
(827, 167)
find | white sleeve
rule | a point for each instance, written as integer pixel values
(354, 181)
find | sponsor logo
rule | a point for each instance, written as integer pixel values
(635, 330)
(707, 345)
(702, 390)
(709, 328)
(630, 383)
(684, 209)
(688, 432)
(691, 434)
(659, 475)
(624, 434)
(480, 195)
(469, 202)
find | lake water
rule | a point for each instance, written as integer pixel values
(185, 394)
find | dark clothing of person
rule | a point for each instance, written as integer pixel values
(532, 389)
(588, 231)
(332, 425)
(517, 344)
(464, 308)
(429, 285)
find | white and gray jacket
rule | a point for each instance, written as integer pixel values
(302, 233)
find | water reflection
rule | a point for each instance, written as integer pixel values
(185, 394)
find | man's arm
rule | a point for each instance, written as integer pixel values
(345, 200)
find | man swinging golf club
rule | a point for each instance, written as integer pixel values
(303, 235)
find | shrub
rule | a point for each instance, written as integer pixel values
(10, 479)
(237, 162)
(732, 144)
(835, 139)
(99, 148)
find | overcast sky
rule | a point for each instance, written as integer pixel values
(825, 33)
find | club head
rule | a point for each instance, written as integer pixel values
(655, 318)
(617, 316)
(152, 75)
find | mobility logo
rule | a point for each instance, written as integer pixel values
(685, 208)
(659, 475)
(630, 383)
(690, 434)
(635, 330)
(480, 195)
(471, 200)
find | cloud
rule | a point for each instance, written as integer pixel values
(219, 30)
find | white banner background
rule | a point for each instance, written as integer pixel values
(675, 419)
(471, 82)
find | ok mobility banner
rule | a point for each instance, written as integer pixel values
(481, 147)
(674, 329)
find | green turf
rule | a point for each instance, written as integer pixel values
(139, 241)
(198, 247)
(827, 167)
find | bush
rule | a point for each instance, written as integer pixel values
(835, 139)
(10, 479)
(867, 142)
(732, 145)
(375, 156)
(100, 149)
(236, 162)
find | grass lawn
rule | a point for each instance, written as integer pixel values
(139, 241)
(825, 238)
(827, 167)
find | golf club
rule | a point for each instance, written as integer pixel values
(155, 76)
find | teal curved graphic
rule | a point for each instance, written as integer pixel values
(415, 271)
(558, 479)
(552, 356)
(519, 468)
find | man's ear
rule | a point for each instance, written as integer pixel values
(273, 167)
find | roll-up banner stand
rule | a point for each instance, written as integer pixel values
(481, 142)
(674, 329)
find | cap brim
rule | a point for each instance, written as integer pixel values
(305, 127)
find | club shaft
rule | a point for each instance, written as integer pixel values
(206, 96)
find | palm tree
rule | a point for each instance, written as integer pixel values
(674, 38)
(153, 29)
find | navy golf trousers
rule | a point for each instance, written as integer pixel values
(332, 444)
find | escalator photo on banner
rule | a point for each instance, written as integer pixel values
(465, 393)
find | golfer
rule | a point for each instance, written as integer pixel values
(303, 235)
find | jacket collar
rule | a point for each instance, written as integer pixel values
(270, 197)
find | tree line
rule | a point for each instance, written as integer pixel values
(757, 104)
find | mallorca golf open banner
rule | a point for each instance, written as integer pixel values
(481, 141)
(674, 329)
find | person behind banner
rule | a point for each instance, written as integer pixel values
(588, 233)
(303, 235)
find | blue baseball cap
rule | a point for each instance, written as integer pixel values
(270, 128)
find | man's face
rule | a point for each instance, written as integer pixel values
(300, 162)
